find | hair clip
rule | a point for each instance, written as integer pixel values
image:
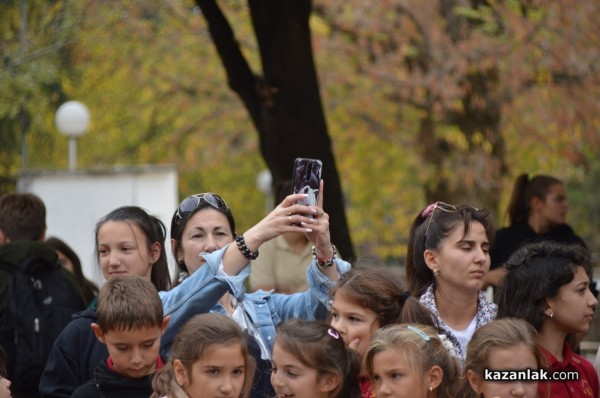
(333, 333)
(428, 210)
(447, 343)
(418, 331)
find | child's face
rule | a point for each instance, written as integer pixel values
(573, 308)
(517, 357)
(4, 388)
(290, 378)
(122, 250)
(394, 378)
(355, 323)
(133, 352)
(219, 374)
(462, 262)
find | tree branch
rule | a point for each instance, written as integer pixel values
(239, 75)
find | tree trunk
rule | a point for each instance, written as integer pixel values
(284, 102)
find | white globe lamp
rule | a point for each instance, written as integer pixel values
(72, 119)
(264, 180)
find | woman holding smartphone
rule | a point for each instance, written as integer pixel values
(203, 230)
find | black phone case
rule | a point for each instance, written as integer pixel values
(307, 178)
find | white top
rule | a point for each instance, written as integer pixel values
(241, 318)
(464, 336)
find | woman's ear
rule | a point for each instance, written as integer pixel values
(474, 380)
(549, 310)
(178, 255)
(431, 259)
(536, 203)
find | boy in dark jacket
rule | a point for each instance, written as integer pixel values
(37, 295)
(130, 324)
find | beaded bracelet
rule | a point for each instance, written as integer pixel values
(241, 244)
(324, 262)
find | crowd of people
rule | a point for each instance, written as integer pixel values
(357, 330)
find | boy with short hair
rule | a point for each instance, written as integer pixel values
(130, 324)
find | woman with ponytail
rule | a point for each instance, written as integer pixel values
(537, 211)
(446, 263)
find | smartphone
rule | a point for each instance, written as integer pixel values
(307, 178)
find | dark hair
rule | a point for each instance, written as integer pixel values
(526, 189)
(382, 291)
(2, 362)
(154, 232)
(535, 273)
(422, 348)
(178, 225)
(319, 346)
(282, 190)
(22, 216)
(89, 289)
(194, 340)
(500, 333)
(428, 233)
(128, 302)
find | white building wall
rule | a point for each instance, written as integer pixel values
(76, 200)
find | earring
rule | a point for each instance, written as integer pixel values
(430, 388)
(436, 272)
(551, 315)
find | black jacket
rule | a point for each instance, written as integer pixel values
(74, 357)
(107, 384)
(509, 239)
(14, 255)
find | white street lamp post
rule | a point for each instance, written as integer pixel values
(263, 183)
(72, 119)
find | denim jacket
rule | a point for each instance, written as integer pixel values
(197, 294)
(266, 309)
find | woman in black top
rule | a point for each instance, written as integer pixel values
(537, 211)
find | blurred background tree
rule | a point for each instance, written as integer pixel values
(282, 98)
(424, 100)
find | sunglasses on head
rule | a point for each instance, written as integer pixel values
(430, 212)
(193, 202)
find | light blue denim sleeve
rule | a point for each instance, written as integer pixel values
(198, 293)
(313, 303)
(319, 284)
